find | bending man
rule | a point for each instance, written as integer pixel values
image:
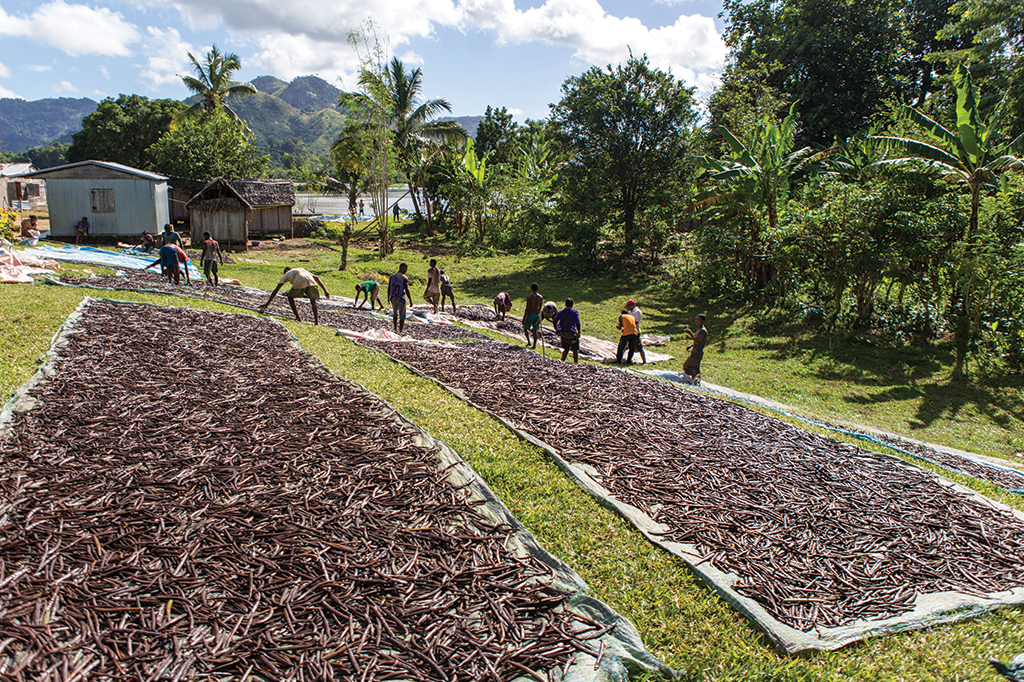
(304, 284)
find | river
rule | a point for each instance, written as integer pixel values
(336, 207)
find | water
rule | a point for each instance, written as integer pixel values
(335, 207)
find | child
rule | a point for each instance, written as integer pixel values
(371, 293)
(446, 291)
(211, 252)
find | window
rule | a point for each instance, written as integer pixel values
(103, 201)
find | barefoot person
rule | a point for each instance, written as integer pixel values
(211, 254)
(567, 324)
(172, 261)
(691, 367)
(531, 316)
(502, 305)
(446, 291)
(304, 284)
(82, 230)
(432, 294)
(398, 291)
(371, 292)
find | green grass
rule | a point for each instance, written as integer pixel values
(682, 622)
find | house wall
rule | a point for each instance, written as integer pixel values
(139, 204)
(24, 195)
(226, 226)
(275, 219)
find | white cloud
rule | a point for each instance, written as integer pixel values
(39, 68)
(103, 70)
(75, 29)
(166, 57)
(692, 44)
(65, 86)
(411, 58)
(4, 71)
(311, 36)
(288, 56)
(4, 92)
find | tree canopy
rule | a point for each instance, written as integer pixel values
(627, 130)
(122, 130)
(212, 80)
(208, 147)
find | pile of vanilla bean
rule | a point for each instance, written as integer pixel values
(819, 533)
(193, 496)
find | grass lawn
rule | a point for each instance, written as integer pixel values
(683, 623)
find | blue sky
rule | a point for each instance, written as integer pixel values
(474, 53)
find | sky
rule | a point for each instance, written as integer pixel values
(474, 53)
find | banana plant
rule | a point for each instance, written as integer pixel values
(756, 173)
(969, 155)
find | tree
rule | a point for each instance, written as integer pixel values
(207, 147)
(755, 176)
(989, 35)
(212, 81)
(974, 156)
(841, 60)
(397, 93)
(353, 163)
(123, 130)
(626, 129)
(497, 136)
(40, 157)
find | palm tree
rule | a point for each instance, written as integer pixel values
(212, 81)
(412, 122)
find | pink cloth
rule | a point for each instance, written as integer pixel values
(504, 302)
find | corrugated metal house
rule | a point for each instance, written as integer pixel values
(118, 200)
(18, 194)
(233, 210)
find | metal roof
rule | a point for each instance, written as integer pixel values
(109, 165)
(17, 168)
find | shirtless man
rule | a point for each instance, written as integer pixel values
(304, 283)
(211, 254)
(531, 316)
(432, 294)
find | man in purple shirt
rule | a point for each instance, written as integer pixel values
(567, 324)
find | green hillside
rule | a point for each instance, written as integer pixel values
(32, 124)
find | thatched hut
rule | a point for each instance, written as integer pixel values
(232, 211)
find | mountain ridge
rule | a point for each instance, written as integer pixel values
(297, 117)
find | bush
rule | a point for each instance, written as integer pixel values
(7, 222)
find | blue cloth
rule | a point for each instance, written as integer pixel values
(567, 322)
(91, 254)
(168, 256)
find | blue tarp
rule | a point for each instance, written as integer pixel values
(91, 254)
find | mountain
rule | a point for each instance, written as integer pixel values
(31, 124)
(269, 84)
(309, 93)
(299, 118)
(468, 123)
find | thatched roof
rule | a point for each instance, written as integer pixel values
(250, 194)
